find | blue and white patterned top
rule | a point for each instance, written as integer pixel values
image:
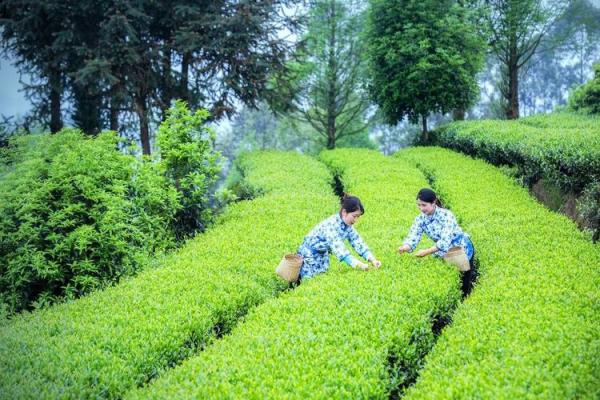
(328, 237)
(442, 228)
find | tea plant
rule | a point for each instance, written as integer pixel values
(530, 328)
(104, 344)
(561, 147)
(343, 334)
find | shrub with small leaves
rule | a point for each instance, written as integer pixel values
(190, 162)
(586, 98)
(76, 214)
(104, 344)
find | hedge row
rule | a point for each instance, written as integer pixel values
(531, 327)
(344, 334)
(561, 147)
(106, 343)
(565, 121)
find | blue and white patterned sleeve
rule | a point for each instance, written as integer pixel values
(338, 248)
(447, 232)
(414, 235)
(358, 244)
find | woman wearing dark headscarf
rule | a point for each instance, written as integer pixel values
(451, 243)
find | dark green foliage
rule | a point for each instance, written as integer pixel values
(34, 33)
(76, 214)
(190, 163)
(423, 57)
(114, 57)
(586, 97)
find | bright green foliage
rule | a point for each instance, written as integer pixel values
(187, 156)
(76, 214)
(108, 342)
(423, 56)
(586, 97)
(344, 334)
(561, 147)
(530, 328)
(567, 121)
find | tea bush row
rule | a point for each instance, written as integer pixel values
(562, 147)
(104, 344)
(530, 329)
(343, 334)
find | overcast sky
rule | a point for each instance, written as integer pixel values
(12, 100)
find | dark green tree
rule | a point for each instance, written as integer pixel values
(37, 35)
(113, 59)
(423, 57)
(135, 57)
(86, 96)
(233, 48)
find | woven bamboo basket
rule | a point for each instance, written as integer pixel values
(289, 267)
(457, 257)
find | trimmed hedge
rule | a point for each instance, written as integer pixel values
(561, 147)
(343, 334)
(566, 121)
(530, 329)
(106, 343)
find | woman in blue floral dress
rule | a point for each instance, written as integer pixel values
(329, 236)
(440, 225)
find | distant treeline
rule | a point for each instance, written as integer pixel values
(113, 60)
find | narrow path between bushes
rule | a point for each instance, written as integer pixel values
(439, 322)
(403, 373)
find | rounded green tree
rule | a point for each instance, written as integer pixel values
(423, 57)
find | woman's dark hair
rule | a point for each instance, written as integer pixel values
(428, 196)
(351, 204)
